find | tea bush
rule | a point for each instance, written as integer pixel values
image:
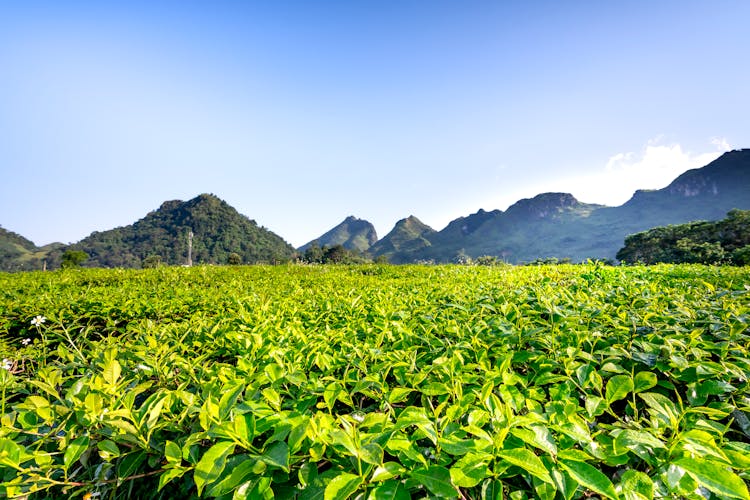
(376, 382)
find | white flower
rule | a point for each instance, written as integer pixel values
(26, 341)
(38, 320)
(358, 417)
(7, 364)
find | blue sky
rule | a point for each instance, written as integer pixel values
(301, 113)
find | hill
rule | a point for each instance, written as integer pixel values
(727, 240)
(408, 236)
(352, 233)
(218, 231)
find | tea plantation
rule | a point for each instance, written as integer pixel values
(376, 382)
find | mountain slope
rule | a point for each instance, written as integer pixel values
(19, 254)
(218, 230)
(408, 236)
(352, 233)
(558, 225)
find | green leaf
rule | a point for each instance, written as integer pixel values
(590, 477)
(716, 478)
(399, 394)
(342, 486)
(387, 471)
(390, 490)
(437, 479)
(492, 489)
(618, 387)
(630, 439)
(241, 467)
(228, 399)
(273, 397)
(470, 470)
(172, 452)
(528, 461)
(277, 455)
(644, 381)
(212, 464)
(130, 462)
(74, 450)
(372, 453)
(538, 436)
(661, 407)
(112, 371)
(595, 405)
(635, 485)
(255, 489)
(170, 474)
(10, 453)
(108, 449)
(274, 371)
(307, 473)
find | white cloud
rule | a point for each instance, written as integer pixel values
(654, 167)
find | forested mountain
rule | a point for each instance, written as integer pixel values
(558, 225)
(218, 231)
(727, 240)
(352, 234)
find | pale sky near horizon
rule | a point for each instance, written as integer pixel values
(301, 113)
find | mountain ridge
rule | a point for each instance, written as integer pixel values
(546, 225)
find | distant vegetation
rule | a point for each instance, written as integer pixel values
(337, 254)
(725, 241)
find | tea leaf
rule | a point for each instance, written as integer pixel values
(714, 477)
(342, 486)
(212, 464)
(590, 477)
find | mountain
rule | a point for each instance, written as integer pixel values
(17, 253)
(558, 225)
(218, 231)
(547, 225)
(352, 233)
(408, 236)
(527, 229)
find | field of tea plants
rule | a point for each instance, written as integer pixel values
(376, 382)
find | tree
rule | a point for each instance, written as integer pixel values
(152, 261)
(234, 259)
(337, 254)
(73, 258)
(314, 254)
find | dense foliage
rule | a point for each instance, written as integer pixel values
(161, 237)
(336, 254)
(218, 231)
(727, 240)
(376, 382)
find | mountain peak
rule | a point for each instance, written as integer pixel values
(543, 205)
(218, 231)
(352, 233)
(408, 235)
